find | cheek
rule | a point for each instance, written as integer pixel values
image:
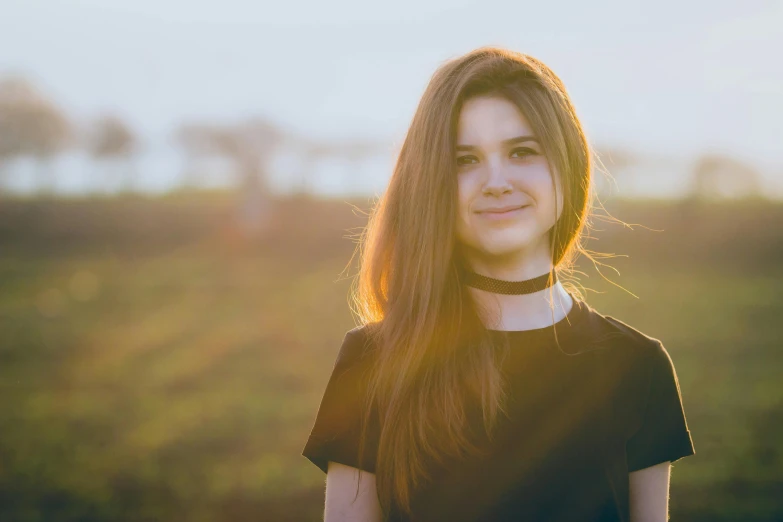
(539, 180)
(466, 188)
(547, 191)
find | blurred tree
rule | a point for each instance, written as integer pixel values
(31, 125)
(351, 152)
(110, 141)
(312, 153)
(250, 147)
(721, 177)
(199, 142)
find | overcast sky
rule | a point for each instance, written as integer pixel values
(667, 77)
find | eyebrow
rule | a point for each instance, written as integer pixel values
(510, 141)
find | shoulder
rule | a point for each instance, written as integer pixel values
(610, 332)
(636, 358)
(636, 366)
(624, 352)
(357, 345)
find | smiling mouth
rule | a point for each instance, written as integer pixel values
(501, 213)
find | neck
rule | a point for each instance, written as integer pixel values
(524, 312)
(519, 312)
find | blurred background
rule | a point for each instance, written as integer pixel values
(181, 184)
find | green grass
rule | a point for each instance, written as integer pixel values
(182, 385)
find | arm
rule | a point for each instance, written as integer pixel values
(649, 493)
(340, 505)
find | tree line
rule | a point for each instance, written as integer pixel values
(33, 126)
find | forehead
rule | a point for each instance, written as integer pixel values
(486, 120)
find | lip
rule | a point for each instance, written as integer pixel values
(503, 212)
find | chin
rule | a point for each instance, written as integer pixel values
(505, 246)
(509, 240)
(504, 249)
(502, 242)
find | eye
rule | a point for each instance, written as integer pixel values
(467, 160)
(524, 152)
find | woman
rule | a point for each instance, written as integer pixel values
(479, 388)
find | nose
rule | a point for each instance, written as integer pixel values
(496, 182)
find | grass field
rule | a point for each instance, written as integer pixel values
(162, 369)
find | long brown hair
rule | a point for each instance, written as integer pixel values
(434, 358)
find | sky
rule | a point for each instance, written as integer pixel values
(668, 78)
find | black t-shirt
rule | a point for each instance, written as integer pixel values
(578, 422)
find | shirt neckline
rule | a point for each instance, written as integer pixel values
(564, 328)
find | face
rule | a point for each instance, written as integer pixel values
(507, 199)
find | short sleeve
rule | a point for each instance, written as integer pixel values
(663, 434)
(337, 428)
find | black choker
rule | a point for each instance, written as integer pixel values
(500, 286)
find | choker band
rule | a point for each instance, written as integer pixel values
(499, 286)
